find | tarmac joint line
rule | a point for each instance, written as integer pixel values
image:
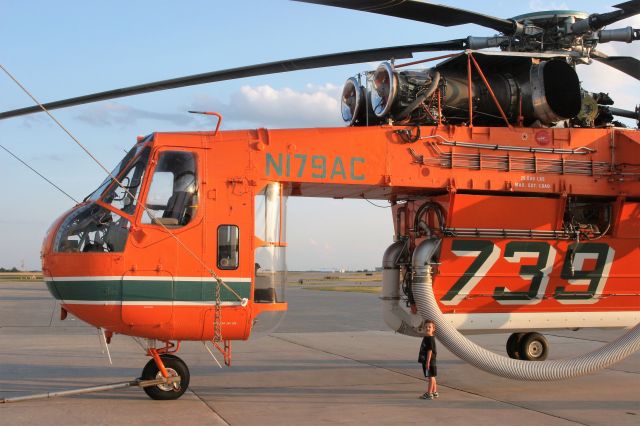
(215, 413)
(420, 379)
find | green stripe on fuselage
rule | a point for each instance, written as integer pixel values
(146, 290)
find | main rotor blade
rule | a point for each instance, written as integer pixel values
(627, 9)
(634, 115)
(627, 64)
(595, 21)
(320, 61)
(423, 12)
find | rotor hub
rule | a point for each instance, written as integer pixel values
(545, 18)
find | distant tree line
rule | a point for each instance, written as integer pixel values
(14, 269)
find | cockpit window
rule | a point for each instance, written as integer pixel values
(124, 197)
(95, 195)
(173, 194)
(92, 228)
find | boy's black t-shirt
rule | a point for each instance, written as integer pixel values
(428, 344)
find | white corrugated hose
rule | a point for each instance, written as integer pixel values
(490, 362)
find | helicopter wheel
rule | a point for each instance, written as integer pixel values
(534, 347)
(175, 367)
(513, 345)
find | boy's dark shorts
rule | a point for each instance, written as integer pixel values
(432, 372)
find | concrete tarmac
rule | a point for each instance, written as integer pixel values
(331, 361)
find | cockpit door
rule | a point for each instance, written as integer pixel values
(167, 243)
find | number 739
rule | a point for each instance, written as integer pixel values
(486, 253)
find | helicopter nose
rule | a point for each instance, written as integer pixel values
(48, 241)
(47, 258)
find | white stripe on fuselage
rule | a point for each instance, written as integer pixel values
(467, 323)
(139, 278)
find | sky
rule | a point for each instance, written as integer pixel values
(70, 48)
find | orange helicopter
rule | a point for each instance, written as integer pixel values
(516, 200)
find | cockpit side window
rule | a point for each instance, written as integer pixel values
(173, 194)
(125, 197)
(95, 195)
(228, 246)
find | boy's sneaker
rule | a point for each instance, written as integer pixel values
(435, 394)
(426, 395)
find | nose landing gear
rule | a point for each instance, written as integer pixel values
(166, 366)
(528, 346)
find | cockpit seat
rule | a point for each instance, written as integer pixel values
(178, 207)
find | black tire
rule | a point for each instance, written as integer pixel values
(513, 345)
(170, 356)
(175, 367)
(534, 347)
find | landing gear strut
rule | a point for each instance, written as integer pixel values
(166, 366)
(528, 346)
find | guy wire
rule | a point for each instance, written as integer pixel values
(219, 281)
(39, 174)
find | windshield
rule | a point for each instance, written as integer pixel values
(92, 228)
(95, 195)
(124, 196)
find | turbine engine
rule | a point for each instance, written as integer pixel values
(526, 88)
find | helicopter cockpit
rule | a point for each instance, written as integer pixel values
(172, 196)
(93, 227)
(102, 223)
(171, 202)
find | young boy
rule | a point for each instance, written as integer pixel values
(427, 357)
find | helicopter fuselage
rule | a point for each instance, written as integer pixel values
(539, 227)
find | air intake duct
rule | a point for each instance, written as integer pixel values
(355, 107)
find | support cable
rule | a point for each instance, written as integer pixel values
(38, 173)
(219, 281)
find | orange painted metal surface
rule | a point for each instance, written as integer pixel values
(156, 357)
(482, 177)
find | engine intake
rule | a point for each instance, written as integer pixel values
(546, 91)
